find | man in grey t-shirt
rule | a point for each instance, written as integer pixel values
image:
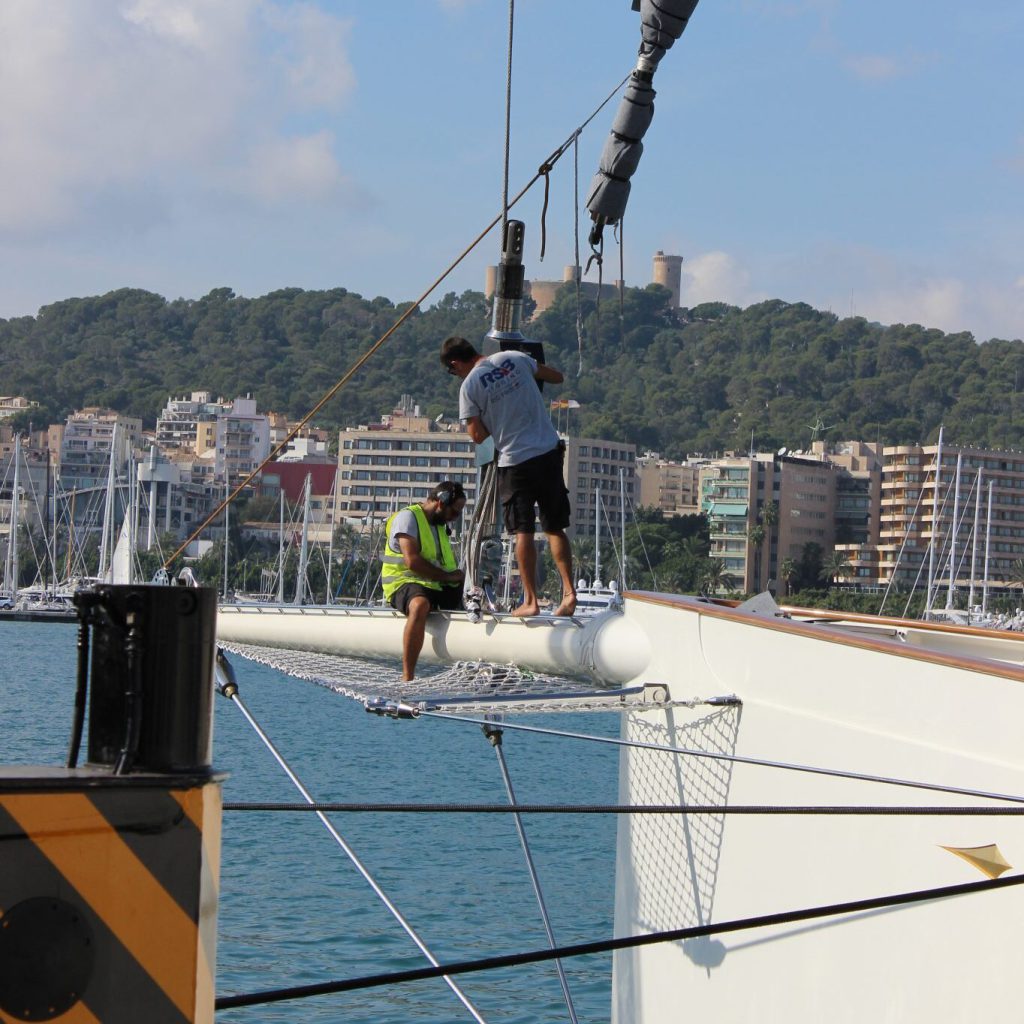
(500, 398)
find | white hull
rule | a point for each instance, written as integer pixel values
(817, 696)
(875, 697)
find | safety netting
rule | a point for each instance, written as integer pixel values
(469, 686)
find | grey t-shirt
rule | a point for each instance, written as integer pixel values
(405, 522)
(501, 390)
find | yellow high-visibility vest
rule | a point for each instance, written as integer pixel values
(395, 573)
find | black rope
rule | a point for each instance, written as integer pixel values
(747, 809)
(610, 945)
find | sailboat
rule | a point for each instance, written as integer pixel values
(824, 811)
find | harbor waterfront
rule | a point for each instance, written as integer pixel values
(293, 911)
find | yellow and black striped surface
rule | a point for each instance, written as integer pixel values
(116, 886)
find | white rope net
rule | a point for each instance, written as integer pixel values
(470, 686)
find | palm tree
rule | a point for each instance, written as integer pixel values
(834, 566)
(1017, 574)
(787, 573)
(755, 538)
(770, 521)
(715, 577)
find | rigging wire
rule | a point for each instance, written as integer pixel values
(576, 271)
(739, 759)
(229, 688)
(843, 810)
(379, 343)
(850, 907)
(508, 119)
(493, 734)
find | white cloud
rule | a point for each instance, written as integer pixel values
(716, 277)
(931, 303)
(302, 167)
(155, 98)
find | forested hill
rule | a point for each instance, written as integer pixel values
(703, 379)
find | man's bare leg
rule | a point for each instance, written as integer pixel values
(412, 638)
(561, 552)
(526, 556)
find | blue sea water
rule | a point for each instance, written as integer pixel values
(293, 910)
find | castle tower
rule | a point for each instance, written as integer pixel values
(668, 273)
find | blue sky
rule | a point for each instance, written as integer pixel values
(861, 156)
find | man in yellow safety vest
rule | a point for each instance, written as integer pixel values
(419, 573)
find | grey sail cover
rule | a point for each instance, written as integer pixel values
(662, 23)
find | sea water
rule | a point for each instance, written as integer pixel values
(294, 911)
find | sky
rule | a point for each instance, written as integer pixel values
(865, 157)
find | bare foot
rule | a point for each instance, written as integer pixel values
(568, 605)
(531, 608)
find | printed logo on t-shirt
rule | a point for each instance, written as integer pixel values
(501, 371)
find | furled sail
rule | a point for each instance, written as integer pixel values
(662, 23)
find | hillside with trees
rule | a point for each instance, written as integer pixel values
(706, 379)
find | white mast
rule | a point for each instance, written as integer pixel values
(988, 543)
(11, 567)
(280, 553)
(953, 533)
(227, 505)
(107, 539)
(300, 582)
(330, 542)
(974, 544)
(622, 525)
(935, 529)
(597, 536)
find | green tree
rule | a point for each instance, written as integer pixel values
(835, 565)
(787, 573)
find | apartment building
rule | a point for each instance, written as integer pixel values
(383, 469)
(11, 405)
(922, 497)
(763, 509)
(601, 478)
(86, 443)
(178, 424)
(672, 488)
(242, 441)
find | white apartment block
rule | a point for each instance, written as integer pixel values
(242, 441)
(85, 449)
(177, 425)
(385, 469)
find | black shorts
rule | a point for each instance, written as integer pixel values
(537, 481)
(447, 599)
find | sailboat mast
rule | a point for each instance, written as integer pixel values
(953, 533)
(988, 544)
(107, 542)
(622, 529)
(300, 582)
(935, 528)
(330, 542)
(11, 567)
(974, 544)
(280, 552)
(227, 506)
(597, 535)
